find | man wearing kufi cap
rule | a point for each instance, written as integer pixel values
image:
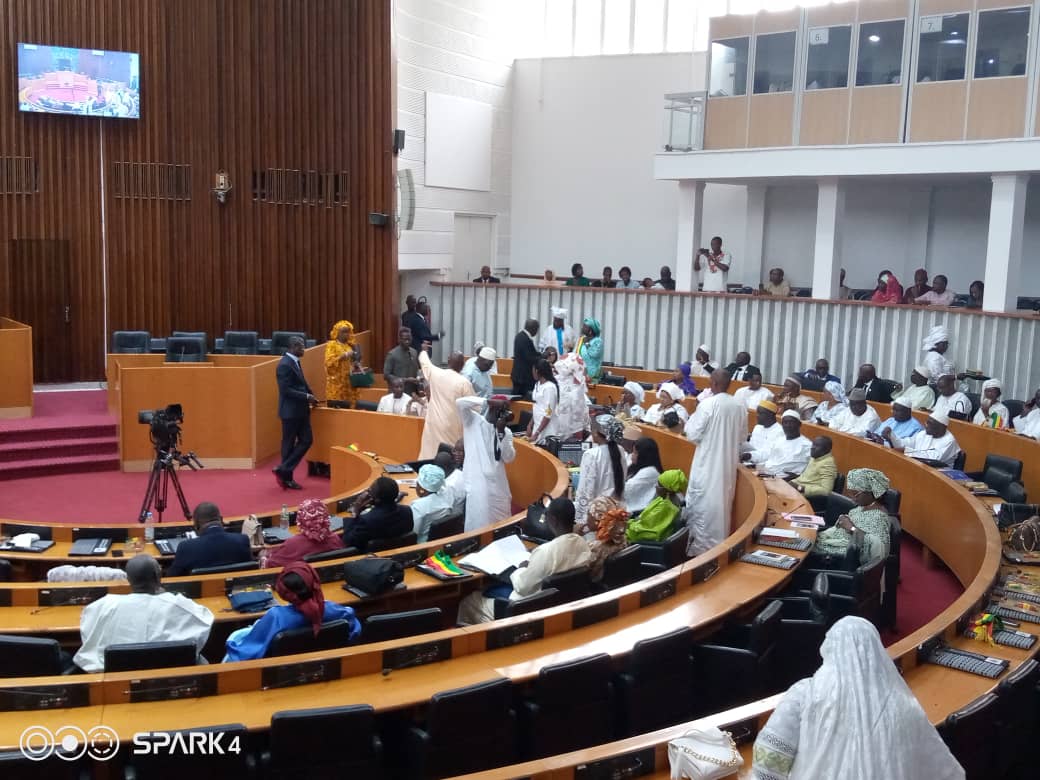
(559, 335)
(792, 397)
(858, 418)
(489, 447)
(445, 386)
(901, 423)
(934, 443)
(992, 413)
(920, 395)
(472, 361)
(434, 503)
(790, 454)
(478, 372)
(763, 435)
(1028, 423)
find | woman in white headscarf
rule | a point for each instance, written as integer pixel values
(934, 346)
(602, 469)
(573, 412)
(700, 365)
(630, 407)
(834, 401)
(669, 395)
(855, 719)
(992, 413)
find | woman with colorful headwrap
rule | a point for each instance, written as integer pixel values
(572, 416)
(834, 401)
(315, 535)
(867, 487)
(299, 585)
(681, 377)
(602, 470)
(342, 354)
(607, 518)
(590, 348)
(888, 290)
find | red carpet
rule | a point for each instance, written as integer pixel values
(923, 593)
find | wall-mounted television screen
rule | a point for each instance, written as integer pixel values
(84, 82)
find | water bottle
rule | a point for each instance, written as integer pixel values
(284, 521)
(149, 528)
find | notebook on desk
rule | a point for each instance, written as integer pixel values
(90, 546)
(39, 546)
(169, 546)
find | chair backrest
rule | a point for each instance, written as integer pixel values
(194, 334)
(131, 342)
(367, 406)
(467, 708)
(241, 342)
(892, 500)
(185, 349)
(333, 634)
(377, 545)
(450, 526)
(970, 732)
(340, 734)
(572, 584)
(1011, 466)
(1014, 493)
(397, 625)
(837, 505)
(280, 340)
(331, 555)
(960, 460)
(675, 547)
(820, 598)
(668, 651)
(150, 655)
(765, 628)
(6, 571)
(839, 482)
(543, 599)
(1014, 407)
(227, 567)
(26, 656)
(867, 578)
(585, 680)
(623, 567)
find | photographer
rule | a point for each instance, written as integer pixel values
(377, 514)
(489, 447)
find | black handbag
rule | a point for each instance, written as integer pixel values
(535, 525)
(1013, 514)
(373, 575)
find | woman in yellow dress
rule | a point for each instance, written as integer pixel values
(341, 355)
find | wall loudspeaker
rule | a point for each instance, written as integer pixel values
(398, 141)
(378, 219)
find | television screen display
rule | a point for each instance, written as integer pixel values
(85, 82)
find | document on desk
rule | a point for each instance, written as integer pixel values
(498, 556)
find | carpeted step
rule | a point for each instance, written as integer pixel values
(53, 431)
(75, 464)
(58, 448)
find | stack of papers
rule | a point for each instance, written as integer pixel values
(802, 521)
(779, 533)
(505, 553)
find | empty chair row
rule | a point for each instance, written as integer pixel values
(186, 346)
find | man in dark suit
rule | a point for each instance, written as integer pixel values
(740, 369)
(417, 320)
(486, 277)
(876, 389)
(213, 547)
(294, 408)
(377, 515)
(525, 355)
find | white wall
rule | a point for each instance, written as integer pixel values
(584, 133)
(456, 48)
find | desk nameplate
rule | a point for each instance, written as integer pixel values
(635, 764)
(301, 674)
(161, 688)
(507, 636)
(409, 560)
(596, 613)
(655, 593)
(704, 572)
(416, 655)
(70, 597)
(44, 697)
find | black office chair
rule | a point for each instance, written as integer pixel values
(612, 379)
(280, 340)
(88, 532)
(657, 688)
(971, 735)
(543, 599)
(378, 545)
(150, 655)
(891, 576)
(398, 625)
(572, 584)
(327, 743)
(367, 406)
(6, 571)
(1017, 721)
(466, 730)
(227, 568)
(976, 402)
(15, 764)
(185, 349)
(450, 526)
(804, 621)
(241, 342)
(1014, 406)
(332, 635)
(27, 656)
(235, 759)
(859, 592)
(331, 555)
(570, 706)
(661, 556)
(736, 665)
(131, 342)
(960, 460)
(623, 568)
(836, 506)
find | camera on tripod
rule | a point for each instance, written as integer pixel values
(164, 426)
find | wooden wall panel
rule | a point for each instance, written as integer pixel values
(235, 85)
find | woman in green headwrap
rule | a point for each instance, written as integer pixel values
(590, 348)
(654, 522)
(867, 487)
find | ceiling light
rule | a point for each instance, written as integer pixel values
(874, 38)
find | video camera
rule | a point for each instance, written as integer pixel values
(164, 425)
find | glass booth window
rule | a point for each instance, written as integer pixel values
(828, 63)
(729, 61)
(774, 62)
(880, 53)
(944, 47)
(1002, 43)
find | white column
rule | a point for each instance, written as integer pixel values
(754, 237)
(830, 211)
(1004, 244)
(691, 213)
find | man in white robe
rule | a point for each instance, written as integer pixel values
(935, 442)
(489, 447)
(752, 394)
(718, 428)
(950, 399)
(146, 614)
(763, 435)
(858, 418)
(559, 335)
(446, 385)
(1028, 423)
(919, 392)
(790, 454)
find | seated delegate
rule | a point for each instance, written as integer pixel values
(566, 550)
(669, 395)
(819, 476)
(641, 482)
(298, 584)
(765, 432)
(435, 502)
(902, 423)
(397, 400)
(934, 443)
(866, 487)
(658, 519)
(146, 614)
(858, 418)
(215, 546)
(752, 394)
(789, 454)
(1028, 423)
(992, 413)
(315, 536)
(608, 520)
(377, 515)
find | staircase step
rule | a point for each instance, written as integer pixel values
(58, 448)
(101, 428)
(76, 464)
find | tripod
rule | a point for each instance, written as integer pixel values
(163, 473)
